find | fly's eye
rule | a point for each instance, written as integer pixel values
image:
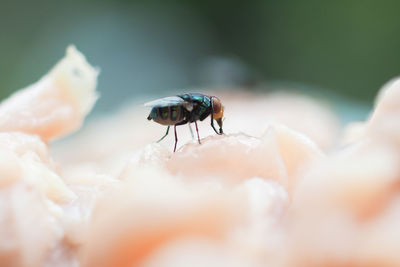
(216, 105)
(218, 109)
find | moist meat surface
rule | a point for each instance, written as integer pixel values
(285, 186)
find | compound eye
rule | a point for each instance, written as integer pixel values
(217, 108)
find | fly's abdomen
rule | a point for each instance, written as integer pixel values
(168, 115)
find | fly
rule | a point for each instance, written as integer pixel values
(186, 108)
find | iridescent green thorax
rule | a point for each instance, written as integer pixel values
(202, 108)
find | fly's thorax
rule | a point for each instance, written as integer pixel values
(201, 106)
(168, 115)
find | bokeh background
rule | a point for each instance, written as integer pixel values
(338, 49)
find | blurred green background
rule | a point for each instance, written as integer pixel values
(348, 48)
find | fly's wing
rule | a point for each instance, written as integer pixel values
(169, 101)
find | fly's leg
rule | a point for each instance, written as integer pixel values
(164, 135)
(212, 124)
(176, 138)
(197, 130)
(191, 131)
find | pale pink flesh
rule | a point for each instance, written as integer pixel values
(265, 194)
